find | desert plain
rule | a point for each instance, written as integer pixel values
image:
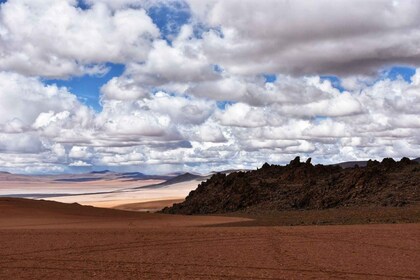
(127, 191)
(50, 240)
(104, 226)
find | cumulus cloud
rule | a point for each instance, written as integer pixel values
(184, 61)
(173, 67)
(202, 100)
(321, 37)
(20, 143)
(122, 89)
(58, 39)
(243, 115)
(190, 133)
(80, 163)
(26, 103)
(119, 4)
(80, 152)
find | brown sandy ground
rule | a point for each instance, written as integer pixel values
(333, 216)
(47, 240)
(149, 206)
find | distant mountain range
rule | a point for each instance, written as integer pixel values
(174, 177)
(186, 177)
(350, 164)
(101, 172)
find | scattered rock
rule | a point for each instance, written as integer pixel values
(265, 165)
(295, 162)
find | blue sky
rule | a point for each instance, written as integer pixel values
(399, 71)
(168, 19)
(87, 87)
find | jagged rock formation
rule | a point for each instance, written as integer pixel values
(305, 186)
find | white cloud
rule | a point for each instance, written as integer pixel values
(26, 102)
(45, 119)
(183, 110)
(57, 39)
(327, 128)
(80, 163)
(14, 126)
(121, 4)
(201, 101)
(243, 115)
(58, 150)
(20, 143)
(80, 152)
(12, 107)
(122, 89)
(171, 130)
(321, 37)
(181, 62)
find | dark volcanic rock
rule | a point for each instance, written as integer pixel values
(305, 186)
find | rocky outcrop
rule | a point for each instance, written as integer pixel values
(301, 185)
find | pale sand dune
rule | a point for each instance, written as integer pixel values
(130, 195)
(52, 187)
(100, 193)
(172, 192)
(150, 206)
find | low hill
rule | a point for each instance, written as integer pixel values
(183, 178)
(300, 185)
(21, 208)
(351, 164)
(361, 163)
(101, 172)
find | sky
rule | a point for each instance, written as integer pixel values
(206, 85)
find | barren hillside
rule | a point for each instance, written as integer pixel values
(305, 186)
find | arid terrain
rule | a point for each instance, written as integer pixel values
(102, 189)
(49, 240)
(294, 222)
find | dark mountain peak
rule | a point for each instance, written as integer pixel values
(406, 160)
(388, 161)
(183, 178)
(101, 172)
(295, 162)
(133, 174)
(265, 165)
(178, 179)
(371, 163)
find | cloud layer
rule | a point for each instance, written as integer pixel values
(301, 37)
(202, 100)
